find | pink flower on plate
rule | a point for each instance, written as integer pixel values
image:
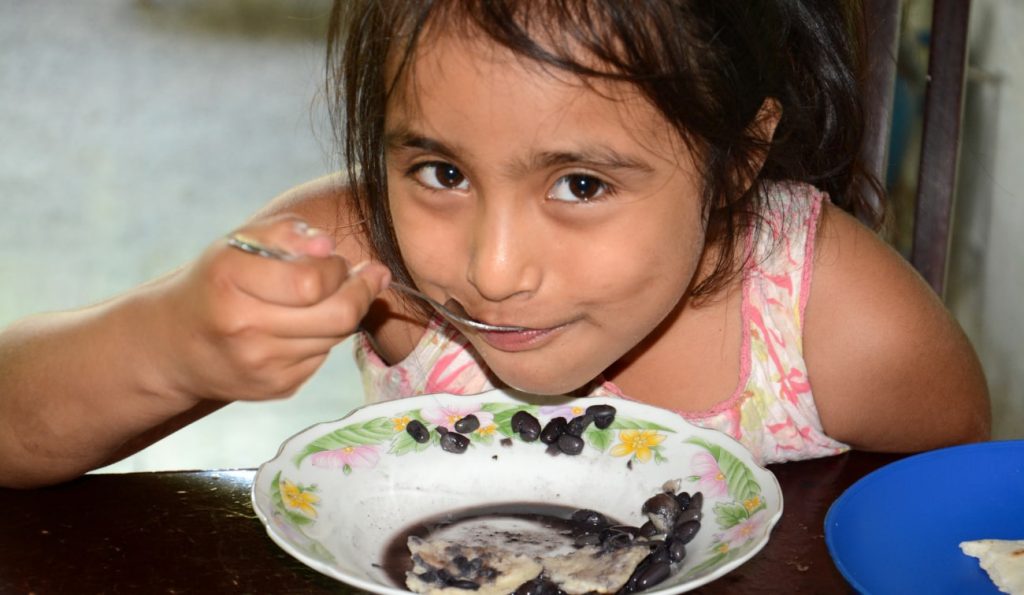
(743, 532)
(709, 475)
(347, 458)
(566, 411)
(447, 415)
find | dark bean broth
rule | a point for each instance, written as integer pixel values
(530, 526)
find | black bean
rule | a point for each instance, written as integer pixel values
(506, 442)
(696, 501)
(603, 415)
(585, 539)
(648, 529)
(517, 420)
(685, 532)
(528, 426)
(661, 553)
(443, 576)
(538, 586)
(676, 550)
(467, 424)
(690, 514)
(441, 430)
(589, 518)
(653, 574)
(418, 431)
(578, 424)
(463, 583)
(454, 442)
(662, 510)
(683, 499)
(570, 445)
(552, 430)
(430, 576)
(467, 567)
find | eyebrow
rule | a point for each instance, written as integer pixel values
(597, 156)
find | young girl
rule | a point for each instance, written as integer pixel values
(657, 191)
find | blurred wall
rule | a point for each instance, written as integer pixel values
(987, 268)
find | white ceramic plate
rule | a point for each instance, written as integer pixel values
(338, 492)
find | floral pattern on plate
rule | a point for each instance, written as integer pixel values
(361, 445)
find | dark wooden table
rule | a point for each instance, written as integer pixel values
(195, 532)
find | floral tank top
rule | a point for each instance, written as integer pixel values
(771, 411)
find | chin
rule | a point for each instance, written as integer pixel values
(562, 385)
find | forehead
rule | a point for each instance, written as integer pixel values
(456, 82)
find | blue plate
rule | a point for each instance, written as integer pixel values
(898, 529)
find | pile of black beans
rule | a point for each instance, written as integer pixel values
(673, 521)
(560, 434)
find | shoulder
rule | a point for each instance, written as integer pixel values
(392, 327)
(890, 367)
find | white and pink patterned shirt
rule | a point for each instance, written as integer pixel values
(771, 411)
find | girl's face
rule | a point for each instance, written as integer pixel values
(537, 201)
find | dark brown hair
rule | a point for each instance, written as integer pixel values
(707, 65)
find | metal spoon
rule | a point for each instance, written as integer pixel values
(250, 246)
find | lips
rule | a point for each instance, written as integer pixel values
(520, 340)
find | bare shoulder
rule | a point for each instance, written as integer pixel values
(890, 367)
(326, 203)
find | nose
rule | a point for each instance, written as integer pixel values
(503, 261)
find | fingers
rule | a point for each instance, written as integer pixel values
(311, 293)
(336, 316)
(309, 273)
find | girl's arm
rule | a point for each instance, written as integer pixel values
(82, 389)
(890, 368)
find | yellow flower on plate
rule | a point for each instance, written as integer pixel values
(752, 503)
(299, 497)
(487, 430)
(400, 422)
(637, 443)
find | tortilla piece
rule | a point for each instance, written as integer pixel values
(1002, 559)
(496, 571)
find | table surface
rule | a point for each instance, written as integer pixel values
(196, 532)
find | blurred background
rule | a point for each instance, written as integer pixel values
(137, 131)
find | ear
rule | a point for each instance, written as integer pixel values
(762, 130)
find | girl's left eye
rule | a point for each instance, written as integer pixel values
(578, 188)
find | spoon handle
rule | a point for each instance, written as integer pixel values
(251, 246)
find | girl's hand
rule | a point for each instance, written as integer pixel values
(245, 327)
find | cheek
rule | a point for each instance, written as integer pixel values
(429, 241)
(647, 269)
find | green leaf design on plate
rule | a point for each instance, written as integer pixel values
(718, 559)
(730, 514)
(626, 423)
(599, 439)
(403, 443)
(372, 432)
(738, 477)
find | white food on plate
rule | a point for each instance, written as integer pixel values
(1002, 559)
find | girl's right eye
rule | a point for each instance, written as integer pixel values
(440, 176)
